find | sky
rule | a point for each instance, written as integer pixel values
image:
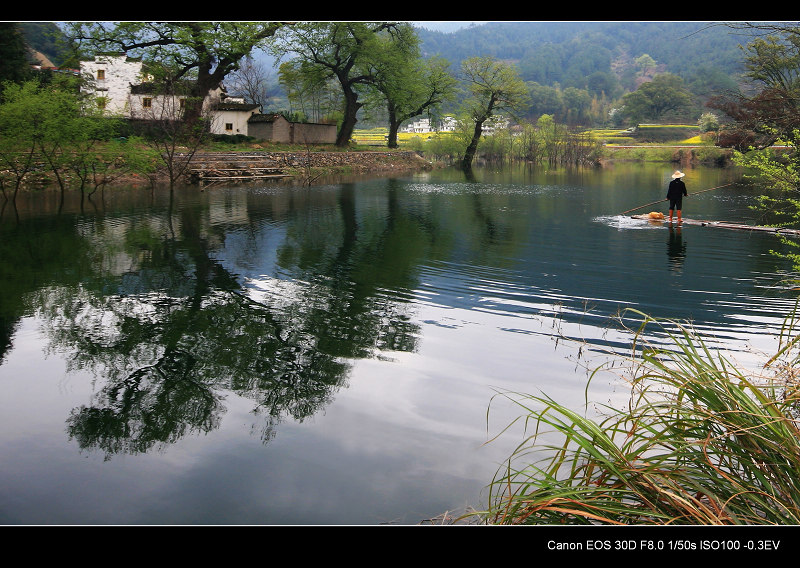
(445, 26)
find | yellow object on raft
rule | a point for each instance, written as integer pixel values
(656, 215)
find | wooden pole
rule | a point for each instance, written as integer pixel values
(660, 200)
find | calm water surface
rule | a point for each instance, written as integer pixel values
(327, 355)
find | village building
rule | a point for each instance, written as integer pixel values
(421, 126)
(231, 116)
(449, 124)
(277, 128)
(424, 126)
(122, 88)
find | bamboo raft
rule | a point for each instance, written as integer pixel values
(723, 225)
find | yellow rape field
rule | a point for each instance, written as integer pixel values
(377, 136)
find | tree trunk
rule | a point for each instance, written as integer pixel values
(469, 154)
(349, 121)
(394, 126)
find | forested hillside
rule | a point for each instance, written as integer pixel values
(45, 37)
(568, 53)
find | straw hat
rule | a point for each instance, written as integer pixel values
(678, 174)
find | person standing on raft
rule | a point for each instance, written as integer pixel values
(675, 193)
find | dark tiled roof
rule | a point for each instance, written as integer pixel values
(181, 88)
(264, 117)
(235, 106)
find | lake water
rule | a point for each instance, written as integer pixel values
(328, 355)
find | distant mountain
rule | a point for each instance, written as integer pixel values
(45, 38)
(560, 52)
(446, 27)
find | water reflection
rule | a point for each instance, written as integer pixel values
(271, 294)
(676, 248)
(145, 304)
(426, 291)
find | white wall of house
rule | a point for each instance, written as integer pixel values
(449, 124)
(149, 107)
(424, 126)
(419, 126)
(110, 79)
(230, 121)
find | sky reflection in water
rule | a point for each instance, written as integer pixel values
(327, 355)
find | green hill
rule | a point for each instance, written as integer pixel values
(568, 53)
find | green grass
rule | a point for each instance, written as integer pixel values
(701, 442)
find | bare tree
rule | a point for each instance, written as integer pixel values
(252, 81)
(176, 140)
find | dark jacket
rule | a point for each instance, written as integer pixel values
(677, 189)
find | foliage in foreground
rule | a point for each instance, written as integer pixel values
(702, 442)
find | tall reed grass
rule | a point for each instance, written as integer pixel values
(700, 442)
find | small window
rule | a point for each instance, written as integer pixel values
(182, 104)
(101, 74)
(229, 126)
(147, 102)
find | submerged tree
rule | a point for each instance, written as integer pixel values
(52, 127)
(495, 87)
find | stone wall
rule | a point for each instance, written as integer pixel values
(218, 166)
(306, 133)
(353, 161)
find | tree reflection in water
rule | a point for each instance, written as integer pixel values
(176, 331)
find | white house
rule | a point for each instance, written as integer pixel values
(110, 78)
(495, 123)
(232, 116)
(448, 124)
(122, 88)
(423, 126)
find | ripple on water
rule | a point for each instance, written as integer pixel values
(624, 222)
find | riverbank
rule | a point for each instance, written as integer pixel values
(301, 166)
(294, 165)
(683, 155)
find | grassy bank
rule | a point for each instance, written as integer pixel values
(701, 442)
(645, 143)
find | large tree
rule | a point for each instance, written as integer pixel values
(772, 109)
(495, 87)
(413, 88)
(654, 99)
(346, 51)
(202, 53)
(14, 64)
(768, 116)
(252, 81)
(312, 94)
